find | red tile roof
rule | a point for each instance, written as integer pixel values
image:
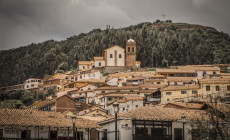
(41, 118)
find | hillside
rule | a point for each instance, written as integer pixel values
(158, 45)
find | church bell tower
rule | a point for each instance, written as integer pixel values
(130, 53)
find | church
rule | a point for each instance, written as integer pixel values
(114, 56)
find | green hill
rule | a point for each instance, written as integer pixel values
(159, 44)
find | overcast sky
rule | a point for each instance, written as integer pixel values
(23, 22)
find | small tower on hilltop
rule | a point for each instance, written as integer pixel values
(130, 53)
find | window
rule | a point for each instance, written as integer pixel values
(183, 92)
(32, 85)
(194, 92)
(99, 64)
(168, 93)
(27, 86)
(80, 77)
(120, 98)
(119, 55)
(208, 88)
(228, 87)
(83, 67)
(175, 83)
(168, 99)
(89, 89)
(214, 72)
(158, 82)
(128, 49)
(111, 55)
(109, 99)
(102, 91)
(127, 106)
(136, 106)
(123, 108)
(204, 73)
(132, 49)
(217, 88)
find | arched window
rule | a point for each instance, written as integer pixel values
(132, 49)
(128, 49)
(111, 55)
(99, 64)
(119, 55)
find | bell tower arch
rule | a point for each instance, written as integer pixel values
(130, 53)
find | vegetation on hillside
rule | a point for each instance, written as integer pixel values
(22, 98)
(156, 47)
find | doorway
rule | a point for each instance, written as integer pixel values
(26, 134)
(1, 133)
(79, 135)
(53, 135)
(177, 133)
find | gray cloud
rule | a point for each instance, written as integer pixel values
(31, 21)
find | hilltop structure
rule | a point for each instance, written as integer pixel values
(114, 56)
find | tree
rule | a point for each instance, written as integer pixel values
(215, 124)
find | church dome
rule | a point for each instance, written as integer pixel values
(131, 41)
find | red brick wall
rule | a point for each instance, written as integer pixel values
(65, 103)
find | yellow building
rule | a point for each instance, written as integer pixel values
(214, 86)
(171, 93)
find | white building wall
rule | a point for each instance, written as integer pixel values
(88, 87)
(99, 61)
(92, 75)
(125, 133)
(15, 132)
(113, 82)
(111, 61)
(187, 134)
(32, 83)
(125, 107)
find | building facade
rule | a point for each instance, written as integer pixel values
(114, 56)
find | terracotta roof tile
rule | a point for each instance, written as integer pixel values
(181, 79)
(188, 105)
(154, 80)
(84, 62)
(117, 75)
(92, 81)
(39, 118)
(215, 81)
(175, 71)
(98, 58)
(119, 88)
(186, 87)
(162, 114)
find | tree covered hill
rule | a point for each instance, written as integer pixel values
(159, 44)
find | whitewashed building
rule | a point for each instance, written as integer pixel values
(31, 124)
(150, 123)
(32, 83)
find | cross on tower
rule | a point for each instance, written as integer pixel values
(163, 15)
